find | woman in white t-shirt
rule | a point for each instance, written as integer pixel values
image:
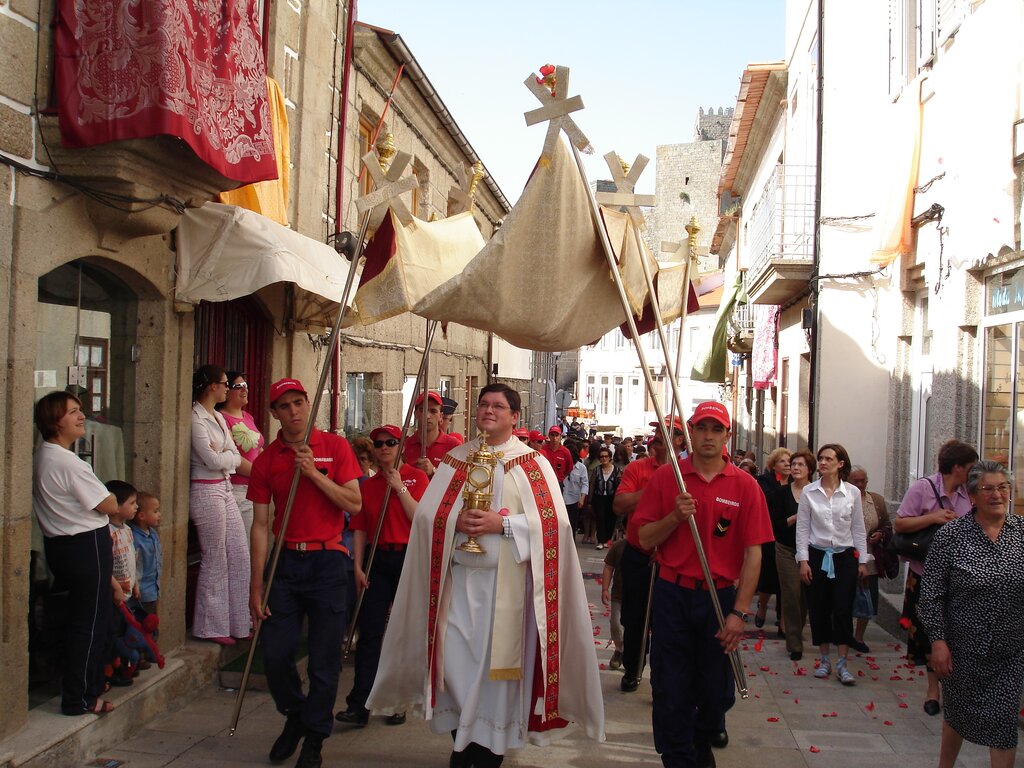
(72, 506)
(222, 590)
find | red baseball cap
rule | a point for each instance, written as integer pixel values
(281, 386)
(390, 429)
(711, 410)
(522, 433)
(556, 430)
(677, 423)
(432, 395)
(536, 436)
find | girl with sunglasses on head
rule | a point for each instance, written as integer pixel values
(247, 438)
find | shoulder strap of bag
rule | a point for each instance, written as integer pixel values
(935, 490)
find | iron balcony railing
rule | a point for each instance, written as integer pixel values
(782, 221)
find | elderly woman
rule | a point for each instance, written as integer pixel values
(222, 591)
(832, 551)
(247, 438)
(72, 507)
(782, 507)
(932, 500)
(972, 605)
(876, 526)
(775, 475)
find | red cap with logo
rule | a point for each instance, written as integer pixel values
(677, 423)
(711, 410)
(521, 433)
(556, 430)
(390, 430)
(536, 436)
(282, 386)
(432, 395)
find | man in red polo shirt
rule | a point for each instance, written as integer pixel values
(557, 454)
(310, 581)
(691, 677)
(407, 485)
(636, 561)
(438, 443)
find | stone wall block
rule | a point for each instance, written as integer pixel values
(17, 75)
(15, 132)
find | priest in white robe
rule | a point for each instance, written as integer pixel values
(497, 647)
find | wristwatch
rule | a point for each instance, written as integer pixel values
(742, 616)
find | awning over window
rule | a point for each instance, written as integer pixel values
(225, 252)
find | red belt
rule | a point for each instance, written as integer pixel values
(681, 580)
(392, 547)
(315, 546)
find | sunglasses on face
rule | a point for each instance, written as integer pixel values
(239, 385)
(391, 442)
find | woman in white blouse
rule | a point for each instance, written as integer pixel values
(222, 591)
(832, 552)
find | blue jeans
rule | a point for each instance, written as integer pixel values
(307, 585)
(691, 678)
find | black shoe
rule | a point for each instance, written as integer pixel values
(396, 719)
(720, 739)
(705, 757)
(310, 757)
(860, 646)
(796, 655)
(460, 760)
(359, 717)
(629, 684)
(932, 707)
(288, 741)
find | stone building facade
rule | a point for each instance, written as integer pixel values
(90, 291)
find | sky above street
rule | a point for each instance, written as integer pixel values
(643, 68)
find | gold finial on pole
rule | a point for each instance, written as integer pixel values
(385, 151)
(691, 230)
(478, 175)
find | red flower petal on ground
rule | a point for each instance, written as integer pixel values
(903, 705)
(905, 622)
(814, 749)
(765, 668)
(870, 706)
(860, 673)
(800, 672)
(796, 701)
(751, 674)
(601, 666)
(869, 658)
(887, 722)
(895, 677)
(773, 719)
(902, 695)
(759, 644)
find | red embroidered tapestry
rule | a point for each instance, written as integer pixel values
(130, 69)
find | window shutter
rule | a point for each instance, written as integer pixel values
(951, 14)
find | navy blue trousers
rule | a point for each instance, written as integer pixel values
(83, 564)
(636, 580)
(373, 618)
(691, 678)
(311, 586)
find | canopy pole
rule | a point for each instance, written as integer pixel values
(420, 375)
(279, 540)
(616, 275)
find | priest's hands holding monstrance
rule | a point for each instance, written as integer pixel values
(477, 522)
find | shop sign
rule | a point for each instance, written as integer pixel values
(1004, 292)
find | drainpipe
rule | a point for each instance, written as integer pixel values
(815, 341)
(339, 197)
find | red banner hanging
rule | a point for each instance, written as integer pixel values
(192, 69)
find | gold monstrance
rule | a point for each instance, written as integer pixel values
(479, 489)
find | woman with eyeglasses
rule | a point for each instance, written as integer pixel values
(604, 481)
(247, 439)
(972, 606)
(932, 500)
(222, 591)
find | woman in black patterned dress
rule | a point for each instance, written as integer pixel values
(972, 606)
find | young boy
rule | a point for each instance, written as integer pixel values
(124, 582)
(611, 595)
(148, 551)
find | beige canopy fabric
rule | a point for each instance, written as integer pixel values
(403, 264)
(226, 252)
(542, 282)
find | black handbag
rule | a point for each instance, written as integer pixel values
(915, 545)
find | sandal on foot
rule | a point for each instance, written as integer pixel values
(101, 707)
(824, 668)
(843, 674)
